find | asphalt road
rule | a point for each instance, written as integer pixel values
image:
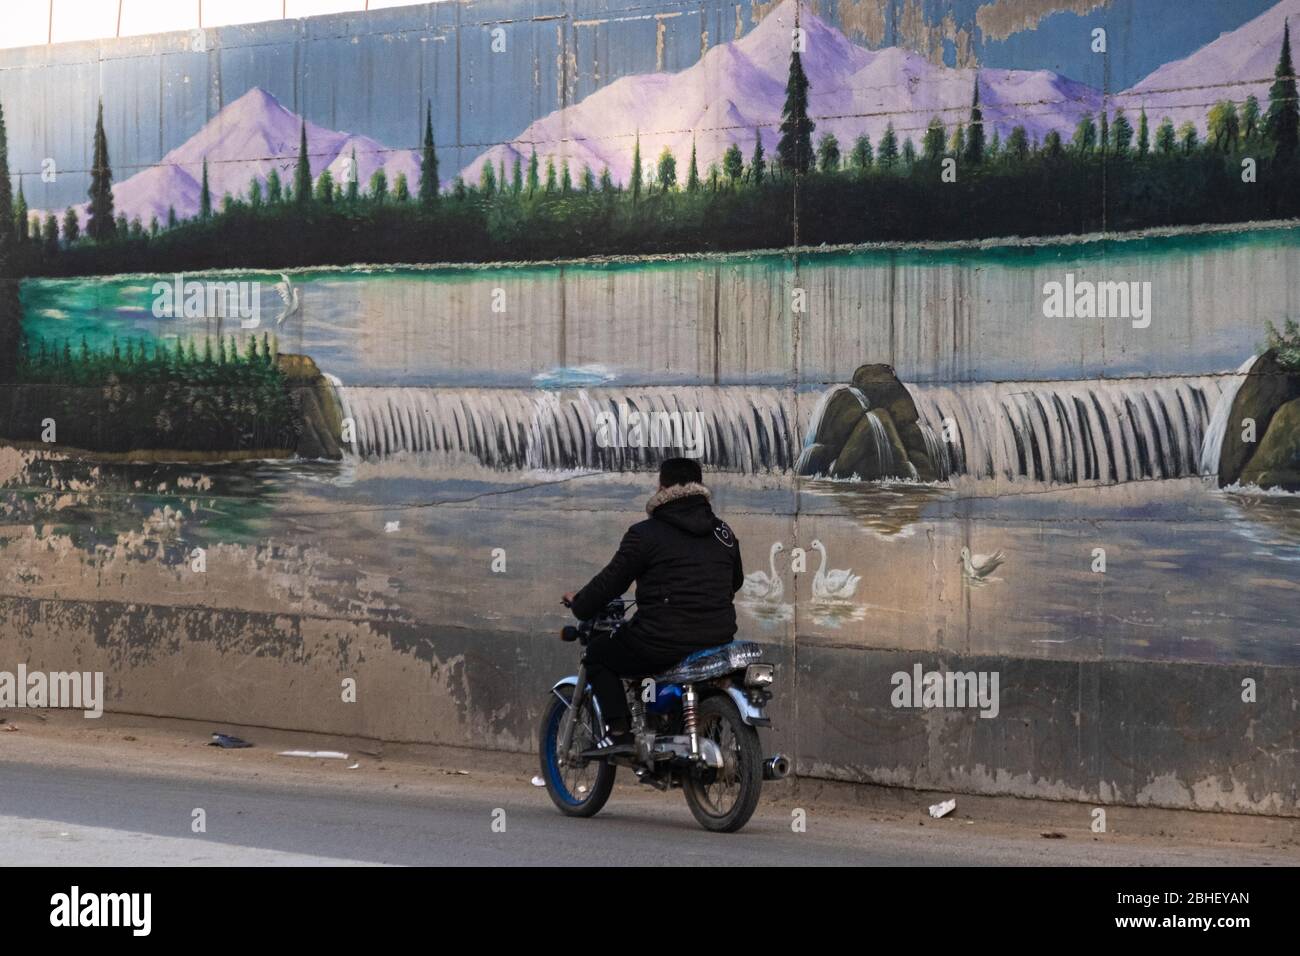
(67, 815)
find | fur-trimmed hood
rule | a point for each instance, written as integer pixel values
(673, 493)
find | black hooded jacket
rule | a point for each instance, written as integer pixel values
(685, 561)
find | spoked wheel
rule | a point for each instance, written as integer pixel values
(724, 799)
(580, 787)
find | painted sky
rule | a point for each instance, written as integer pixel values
(371, 73)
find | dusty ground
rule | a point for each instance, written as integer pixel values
(121, 790)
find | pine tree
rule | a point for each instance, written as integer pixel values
(551, 183)
(975, 138)
(1103, 135)
(828, 153)
(1085, 135)
(302, 178)
(171, 217)
(100, 224)
(325, 188)
(1250, 120)
(428, 162)
(887, 155)
(1144, 134)
(205, 194)
(401, 190)
(6, 197)
(587, 180)
(71, 226)
(51, 233)
(378, 186)
(693, 172)
(932, 144)
(733, 164)
(19, 224)
(1122, 134)
(534, 177)
(487, 180)
(517, 180)
(1017, 148)
(1282, 122)
(757, 164)
(1166, 138)
(274, 192)
(861, 156)
(794, 149)
(666, 173)
(636, 169)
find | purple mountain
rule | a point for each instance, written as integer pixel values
(246, 140)
(1238, 64)
(738, 87)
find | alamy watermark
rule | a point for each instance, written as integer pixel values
(1084, 299)
(629, 428)
(208, 299)
(952, 689)
(71, 690)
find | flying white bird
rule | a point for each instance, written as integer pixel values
(762, 586)
(977, 567)
(835, 583)
(288, 293)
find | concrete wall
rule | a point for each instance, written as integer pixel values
(1116, 686)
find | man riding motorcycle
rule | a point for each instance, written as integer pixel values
(686, 563)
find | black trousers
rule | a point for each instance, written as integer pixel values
(612, 657)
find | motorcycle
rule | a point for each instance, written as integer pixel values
(695, 726)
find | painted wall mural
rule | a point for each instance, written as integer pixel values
(979, 357)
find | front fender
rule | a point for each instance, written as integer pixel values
(571, 682)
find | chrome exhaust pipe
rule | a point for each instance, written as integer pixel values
(776, 768)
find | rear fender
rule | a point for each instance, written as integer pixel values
(749, 713)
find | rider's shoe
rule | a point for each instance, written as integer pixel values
(613, 745)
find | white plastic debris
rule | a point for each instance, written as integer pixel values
(354, 766)
(538, 781)
(943, 809)
(323, 754)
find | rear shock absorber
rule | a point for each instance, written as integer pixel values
(689, 701)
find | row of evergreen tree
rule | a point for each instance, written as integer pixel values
(140, 360)
(503, 196)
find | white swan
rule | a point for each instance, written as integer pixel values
(977, 567)
(836, 583)
(288, 293)
(762, 585)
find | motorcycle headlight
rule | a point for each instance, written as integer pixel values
(759, 675)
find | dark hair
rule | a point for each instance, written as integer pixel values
(679, 471)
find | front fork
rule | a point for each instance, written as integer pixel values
(570, 715)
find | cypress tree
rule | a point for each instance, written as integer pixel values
(302, 171)
(6, 195)
(636, 169)
(428, 162)
(100, 224)
(1144, 134)
(205, 194)
(693, 172)
(757, 164)
(1282, 122)
(975, 138)
(794, 150)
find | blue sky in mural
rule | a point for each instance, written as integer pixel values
(1143, 34)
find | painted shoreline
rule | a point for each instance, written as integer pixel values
(1007, 243)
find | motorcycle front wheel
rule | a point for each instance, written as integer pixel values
(580, 787)
(724, 799)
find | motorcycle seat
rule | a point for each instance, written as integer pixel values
(711, 662)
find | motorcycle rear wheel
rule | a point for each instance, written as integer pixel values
(723, 800)
(581, 787)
